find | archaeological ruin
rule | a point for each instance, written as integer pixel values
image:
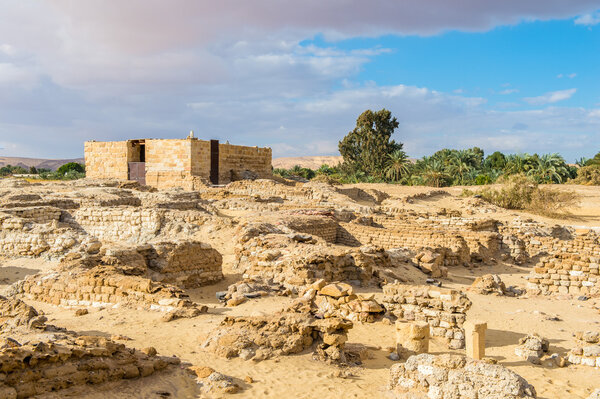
(363, 288)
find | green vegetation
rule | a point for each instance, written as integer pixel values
(522, 192)
(69, 171)
(371, 156)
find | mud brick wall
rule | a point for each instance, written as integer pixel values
(118, 223)
(319, 226)
(572, 267)
(235, 159)
(294, 264)
(415, 237)
(106, 159)
(97, 289)
(187, 264)
(38, 214)
(68, 362)
(168, 163)
(33, 241)
(443, 309)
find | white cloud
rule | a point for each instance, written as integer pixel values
(588, 19)
(569, 75)
(551, 97)
(509, 91)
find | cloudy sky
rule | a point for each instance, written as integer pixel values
(511, 75)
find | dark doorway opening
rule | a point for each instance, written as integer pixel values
(214, 161)
(136, 166)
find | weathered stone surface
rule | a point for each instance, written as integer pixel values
(452, 376)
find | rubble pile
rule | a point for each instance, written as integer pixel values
(532, 348)
(263, 337)
(452, 376)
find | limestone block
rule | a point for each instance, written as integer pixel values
(475, 338)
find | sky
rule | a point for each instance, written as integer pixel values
(513, 75)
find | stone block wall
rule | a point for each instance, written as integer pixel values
(169, 163)
(106, 159)
(587, 350)
(235, 159)
(101, 287)
(187, 264)
(573, 267)
(200, 154)
(443, 309)
(319, 226)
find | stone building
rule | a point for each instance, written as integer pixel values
(166, 163)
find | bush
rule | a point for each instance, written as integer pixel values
(520, 192)
(588, 175)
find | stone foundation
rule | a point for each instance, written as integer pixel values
(443, 309)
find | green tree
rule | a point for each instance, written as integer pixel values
(70, 167)
(33, 170)
(366, 148)
(397, 165)
(496, 161)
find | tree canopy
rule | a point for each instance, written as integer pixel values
(367, 148)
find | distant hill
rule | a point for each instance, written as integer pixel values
(38, 163)
(307, 162)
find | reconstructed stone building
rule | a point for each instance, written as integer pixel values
(165, 163)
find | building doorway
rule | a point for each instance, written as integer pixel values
(214, 161)
(136, 164)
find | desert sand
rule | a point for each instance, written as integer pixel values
(555, 317)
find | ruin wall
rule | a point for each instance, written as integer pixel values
(443, 309)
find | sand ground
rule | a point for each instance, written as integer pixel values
(301, 377)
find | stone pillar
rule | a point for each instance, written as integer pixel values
(412, 337)
(475, 338)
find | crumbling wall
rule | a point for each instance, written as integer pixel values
(572, 267)
(319, 226)
(101, 286)
(286, 333)
(443, 309)
(187, 264)
(587, 351)
(106, 160)
(52, 359)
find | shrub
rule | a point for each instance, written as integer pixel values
(588, 175)
(520, 192)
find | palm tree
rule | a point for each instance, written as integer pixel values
(435, 173)
(396, 165)
(549, 168)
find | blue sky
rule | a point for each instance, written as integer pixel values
(514, 76)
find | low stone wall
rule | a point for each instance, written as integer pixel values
(101, 286)
(262, 337)
(443, 309)
(587, 351)
(573, 267)
(319, 226)
(187, 264)
(37, 368)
